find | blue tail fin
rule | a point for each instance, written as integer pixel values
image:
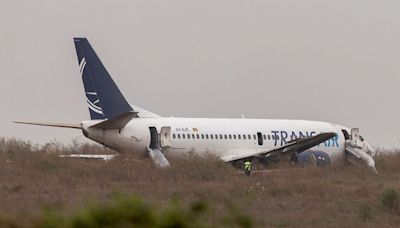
(104, 98)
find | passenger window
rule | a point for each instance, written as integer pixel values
(265, 137)
(220, 136)
(216, 136)
(183, 136)
(206, 136)
(230, 136)
(188, 135)
(211, 136)
(197, 136)
(238, 136)
(202, 136)
(192, 136)
(269, 137)
(248, 136)
(244, 136)
(234, 136)
(254, 137)
(225, 137)
(173, 135)
(179, 136)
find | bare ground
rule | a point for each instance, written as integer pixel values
(33, 178)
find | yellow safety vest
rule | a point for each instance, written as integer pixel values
(247, 165)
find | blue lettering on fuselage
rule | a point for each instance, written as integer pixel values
(333, 142)
(275, 136)
(283, 137)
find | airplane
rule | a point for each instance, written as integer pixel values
(126, 128)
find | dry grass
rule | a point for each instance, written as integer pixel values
(33, 178)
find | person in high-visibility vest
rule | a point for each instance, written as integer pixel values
(247, 168)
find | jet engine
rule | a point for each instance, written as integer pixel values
(319, 158)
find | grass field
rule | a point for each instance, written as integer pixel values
(35, 183)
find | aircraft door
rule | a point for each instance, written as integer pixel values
(165, 137)
(355, 132)
(260, 138)
(153, 138)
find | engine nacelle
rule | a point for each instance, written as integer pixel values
(313, 157)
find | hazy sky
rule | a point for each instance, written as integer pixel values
(337, 61)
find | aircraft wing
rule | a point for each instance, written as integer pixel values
(292, 147)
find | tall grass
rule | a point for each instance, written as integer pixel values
(38, 187)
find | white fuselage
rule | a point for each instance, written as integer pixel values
(224, 138)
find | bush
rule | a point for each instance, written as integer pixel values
(390, 199)
(133, 212)
(365, 212)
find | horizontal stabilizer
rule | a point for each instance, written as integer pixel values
(76, 126)
(117, 122)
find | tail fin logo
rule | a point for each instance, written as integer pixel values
(104, 98)
(91, 97)
(82, 66)
(93, 102)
